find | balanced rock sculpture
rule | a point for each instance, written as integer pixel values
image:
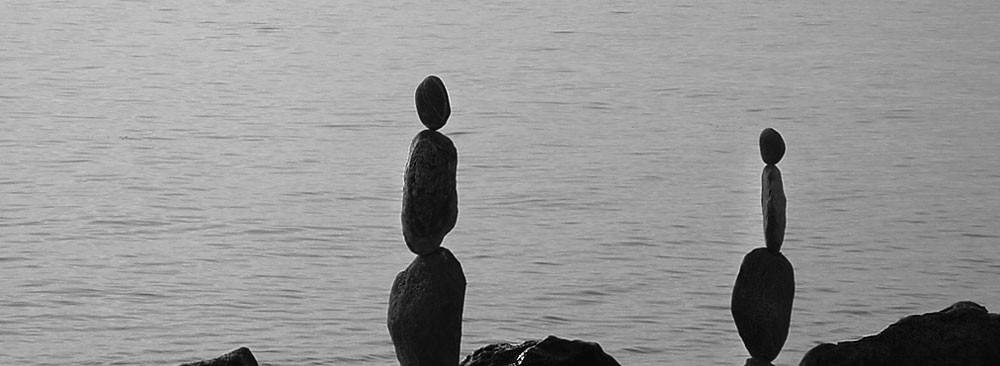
(765, 286)
(430, 196)
(426, 301)
(772, 195)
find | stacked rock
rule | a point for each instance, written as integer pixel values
(426, 301)
(765, 285)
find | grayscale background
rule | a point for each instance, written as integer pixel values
(180, 178)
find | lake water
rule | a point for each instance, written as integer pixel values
(181, 178)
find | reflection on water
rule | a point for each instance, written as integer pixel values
(182, 179)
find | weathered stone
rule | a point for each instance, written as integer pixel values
(430, 195)
(772, 146)
(762, 302)
(555, 351)
(498, 354)
(772, 202)
(962, 334)
(425, 310)
(552, 351)
(238, 357)
(433, 106)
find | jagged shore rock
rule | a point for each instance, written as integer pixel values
(425, 310)
(238, 357)
(962, 334)
(551, 351)
(497, 354)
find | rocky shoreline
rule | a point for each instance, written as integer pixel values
(963, 334)
(426, 300)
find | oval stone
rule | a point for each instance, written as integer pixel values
(430, 195)
(433, 106)
(425, 310)
(762, 302)
(772, 146)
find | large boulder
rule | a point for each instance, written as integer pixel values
(962, 334)
(425, 310)
(430, 194)
(551, 351)
(762, 302)
(238, 357)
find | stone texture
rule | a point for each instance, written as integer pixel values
(430, 195)
(552, 351)
(238, 357)
(498, 354)
(762, 302)
(425, 310)
(962, 334)
(772, 146)
(555, 351)
(772, 202)
(433, 106)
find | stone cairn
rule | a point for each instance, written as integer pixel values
(765, 286)
(425, 305)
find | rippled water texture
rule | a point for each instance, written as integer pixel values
(181, 178)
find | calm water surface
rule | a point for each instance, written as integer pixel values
(181, 178)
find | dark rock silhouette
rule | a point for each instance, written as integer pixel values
(962, 334)
(430, 195)
(762, 302)
(433, 106)
(765, 286)
(552, 351)
(757, 362)
(772, 146)
(772, 202)
(238, 357)
(425, 310)
(498, 354)
(426, 301)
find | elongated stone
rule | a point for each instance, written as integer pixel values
(430, 195)
(425, 310)
(772, 146)
(772, 202)
(433, 106)
(762, 302)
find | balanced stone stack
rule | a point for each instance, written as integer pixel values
(765, 285)
(425, 305)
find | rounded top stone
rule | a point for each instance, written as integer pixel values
(772, 146)
(433, 106)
